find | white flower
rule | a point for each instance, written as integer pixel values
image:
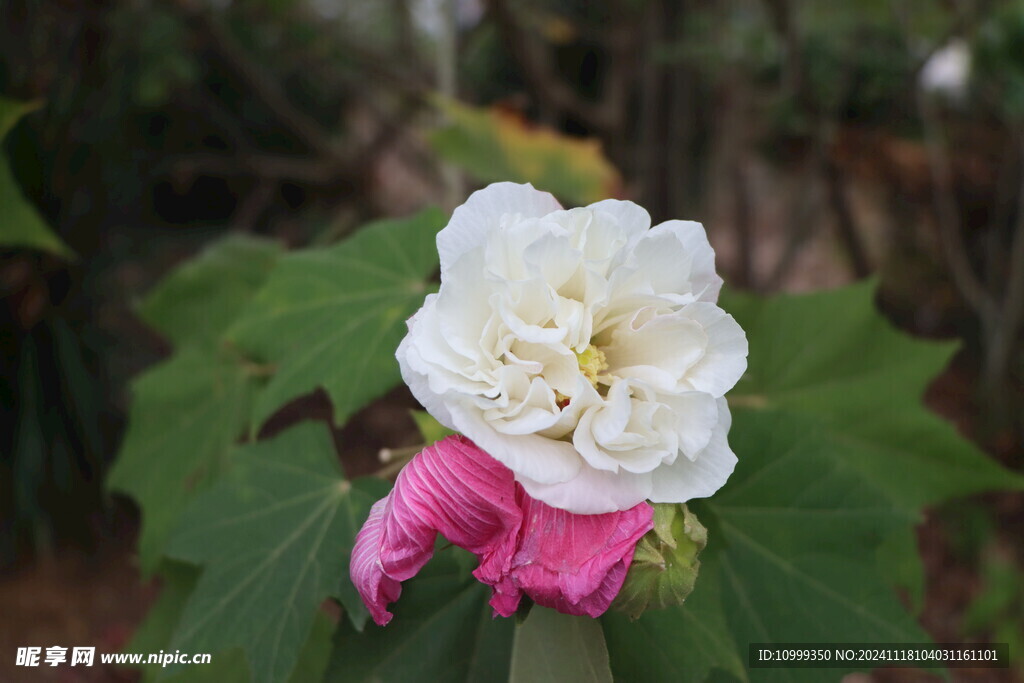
(948, 71)
(581, 348)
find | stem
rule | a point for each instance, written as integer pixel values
(396, 459)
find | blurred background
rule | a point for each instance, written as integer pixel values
(819, 143)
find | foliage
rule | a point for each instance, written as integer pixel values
(443, 630)
(999, 65)
(270, 536)
(333, 317)
(495, 145)
(997, 608)
(206, 387)
(665, 565)
(555, 648)
(22, 226)
(837, 457)
(197, 303)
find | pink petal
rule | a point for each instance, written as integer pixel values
(573, 563)
(576, 563)
(452, 488)
(375, 587)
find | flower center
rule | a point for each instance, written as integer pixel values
(592, 363)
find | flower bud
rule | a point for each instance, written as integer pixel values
(665, 564)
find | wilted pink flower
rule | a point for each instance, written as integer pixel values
(572, 563)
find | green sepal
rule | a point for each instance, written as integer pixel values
(665, 564)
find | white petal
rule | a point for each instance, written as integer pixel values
(658, 350)
(592, 492)
(696, 416)
(686, 479)
(633, 219)
(586, 445)
(526, 307)
(419, 385)
(677, 259)
(611, 420)
(540, 458)
(552, 259)
(725, 357)
(556, 363)
(472, 222)
(463, 306)
(533, 409)
(583, 397)
(426, 351)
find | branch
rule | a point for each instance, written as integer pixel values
(947, 217)
(608, 114)
(1011, 312)
(313, 135)
(1013, 304)
(310, 170)
(849, 235)
(803, 215)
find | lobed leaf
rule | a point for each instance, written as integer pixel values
(793, 541)
(836, 457)
(199, 300)
(273, 535)
(832, 360)
(154, 634)
(188, 411)
(443, 630)
(333, 317)
(683, 643)
(186, 414)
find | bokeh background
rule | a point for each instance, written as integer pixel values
(819, 143)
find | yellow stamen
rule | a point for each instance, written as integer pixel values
(592, 363)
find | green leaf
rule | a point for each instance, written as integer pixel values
(793, 539)
(430, 429)
(900, 560)
(198, 301)
(494, 145)
(832, 360)
(178, 581)
(443, 630)
(680, 644)
(11, 112)
(836, 456)
(224, 667)
(186, 414)
(333, 318)
(316, 653)
(20, 222)
(551, 647)
(273, 536)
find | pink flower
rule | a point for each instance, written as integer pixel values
(572, 563)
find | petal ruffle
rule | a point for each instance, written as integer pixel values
(452, 488)
(576, 563)
(376, 588)
(482, 213)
